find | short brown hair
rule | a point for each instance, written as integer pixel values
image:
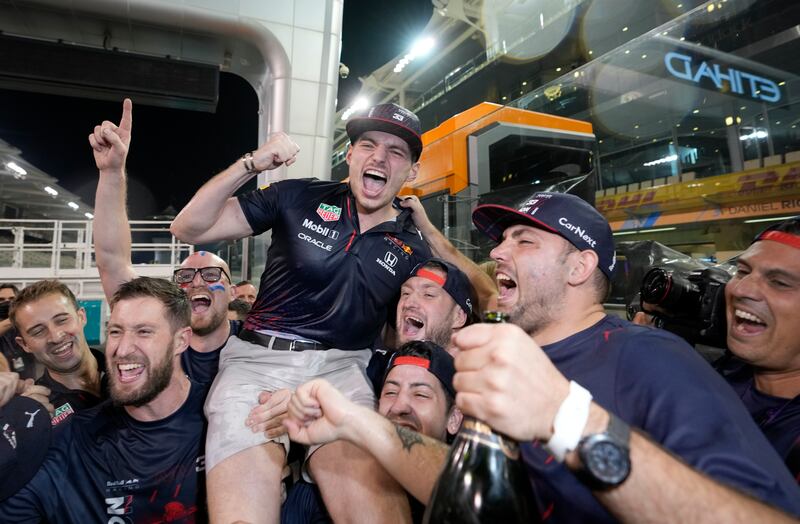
(174, 300)
(36, 291)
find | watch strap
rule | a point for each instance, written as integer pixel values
(569, 421)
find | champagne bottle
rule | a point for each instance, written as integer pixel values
(484, 480)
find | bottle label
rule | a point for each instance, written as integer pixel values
(481, 432)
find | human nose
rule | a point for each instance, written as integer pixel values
(746, 286)
(500, 252)
(401, 405)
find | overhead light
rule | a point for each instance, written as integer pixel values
(643, 231)
(50, 191)
(773, 219)
(88, 215)
(73, 205)
(782, 83)
(558, 69)
(662, 160)
(421, 47)
(624, 29)
(728, 120)
(644, 56)
(627, 51)
(695, 111)
(758, 133)
(18, 171)
(358, 105)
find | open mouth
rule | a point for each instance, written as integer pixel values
(374, 182)
(412, 326)
(506, 286)
(200, 303)
(746, 323)
(404, 422)
(129, 372)
(63, 350)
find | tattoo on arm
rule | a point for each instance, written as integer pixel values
(408, 438)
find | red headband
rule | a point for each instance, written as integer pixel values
(782, 237)
(412, 361)
(430, 275)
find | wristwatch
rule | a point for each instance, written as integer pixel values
(606, 456)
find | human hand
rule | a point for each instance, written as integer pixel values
(9, 385)
(505, 379)
(110, 143)
(40, 394)
(280, 149)
(643, 319)
(319, 413)
(272, 410)
(418, 215)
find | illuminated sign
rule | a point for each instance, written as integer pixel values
(737, 81)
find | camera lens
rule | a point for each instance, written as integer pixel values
(669, 290)
(655, 286)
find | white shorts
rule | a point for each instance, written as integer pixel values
(246, 369)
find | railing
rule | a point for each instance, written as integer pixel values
(35, 249)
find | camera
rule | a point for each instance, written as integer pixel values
(690, 304)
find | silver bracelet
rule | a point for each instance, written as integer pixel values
(249, 164)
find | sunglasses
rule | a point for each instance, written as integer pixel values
(185, 275)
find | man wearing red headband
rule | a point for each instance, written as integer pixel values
(762, 305)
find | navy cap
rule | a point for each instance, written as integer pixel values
(455, 282)
(24, 440)
(566, 215)
(389, 118)
(439, 362)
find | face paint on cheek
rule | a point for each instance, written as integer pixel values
(216, 287)
(184, 285)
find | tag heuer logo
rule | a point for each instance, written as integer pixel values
(329, 213)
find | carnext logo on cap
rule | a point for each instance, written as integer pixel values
(578, 230)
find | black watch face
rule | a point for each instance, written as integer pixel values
(608, 462)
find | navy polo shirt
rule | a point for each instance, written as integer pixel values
(66, 402)
(656, 382)
(778, 418)
(105, 466)
(325, 280)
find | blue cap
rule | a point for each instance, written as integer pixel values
(455, 283)
(566, 215)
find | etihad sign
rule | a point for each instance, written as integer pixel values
(687, 67)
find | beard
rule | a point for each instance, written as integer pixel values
(546, 304)
(157, 381)
(205, 327)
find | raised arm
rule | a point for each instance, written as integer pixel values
(319, 413)
(213, 213)
(112, 233)
(444, 249)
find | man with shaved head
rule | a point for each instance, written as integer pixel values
(204, 276)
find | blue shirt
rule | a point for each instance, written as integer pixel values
(324, 279)
(778, 418)
(656, 382)
(202, 366)
(104, 464)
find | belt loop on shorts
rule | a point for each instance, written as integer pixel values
(280, 344)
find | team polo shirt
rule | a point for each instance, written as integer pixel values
(105, 466)
(66, 402)
(325, 280)
(656, 382)
(202, 366)
(778, 418)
